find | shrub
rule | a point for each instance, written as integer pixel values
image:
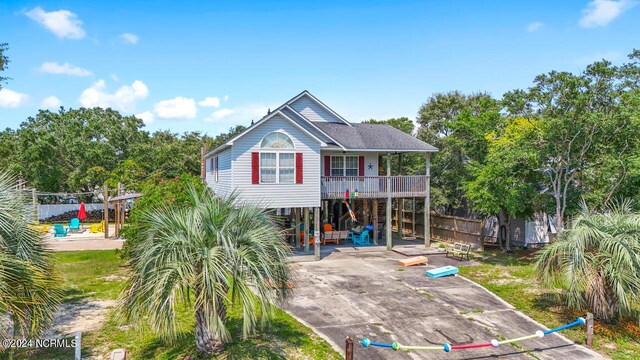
(156, 193)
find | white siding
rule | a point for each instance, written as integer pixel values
(224, 184)
(369, 158)
(313, 111)
(306, 194)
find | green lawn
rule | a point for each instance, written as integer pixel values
(100, 275)
(513, 278)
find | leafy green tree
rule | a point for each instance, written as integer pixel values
(402, 123)
(55, 150)
(208, 256)
(456, 124)
(29, 291)
(505, 182)
(597, 261)
(589, 124)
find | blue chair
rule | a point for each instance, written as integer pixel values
(74, 224)
(59, 231)
(362, 239)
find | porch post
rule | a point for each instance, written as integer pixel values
(316, 233)
(375, 221)
(105, 190)
(427, 205)
(388, 226)
(401, 218)
(297, 228)
(413, 219)
(306, 229)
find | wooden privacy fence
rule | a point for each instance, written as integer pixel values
(444, 228)
(457, 229)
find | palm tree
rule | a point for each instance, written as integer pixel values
(29, 293)
(597, 261)
(209, 255)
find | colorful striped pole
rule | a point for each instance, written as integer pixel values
(448, 347)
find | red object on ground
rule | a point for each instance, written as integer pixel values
(82, 214)
(470, 346)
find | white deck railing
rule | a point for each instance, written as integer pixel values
(370, 187)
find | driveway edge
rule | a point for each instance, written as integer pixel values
(525, 316)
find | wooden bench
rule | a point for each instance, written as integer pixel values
(334, 236)
(458, 250)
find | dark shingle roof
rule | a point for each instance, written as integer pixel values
(373, 137)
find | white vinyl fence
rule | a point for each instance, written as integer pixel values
(47, 211)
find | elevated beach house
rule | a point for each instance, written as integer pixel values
(303, 157)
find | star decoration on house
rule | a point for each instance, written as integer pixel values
(370, 166)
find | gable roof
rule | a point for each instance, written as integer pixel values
(341, 136)
(320, 103)
(374, 137)
(278, 111)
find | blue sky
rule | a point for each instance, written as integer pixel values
(185, 65)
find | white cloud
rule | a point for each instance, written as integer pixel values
(50, 102)
(220, 114)
(602, 12)
(146, 117)
(176, 108)
(242, 114)
(534, 26)
(210, 102)
(12, 99)
(114, 77)
(129, 38)
(63, 23)
(124, 99)
(226, 98)
(63, 69)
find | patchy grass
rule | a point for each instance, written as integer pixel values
(513, 278)
(100, 275)
(96, 274)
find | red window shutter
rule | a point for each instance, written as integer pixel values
(361, 166)
(255, 168)
(327, 165)
(299, 168)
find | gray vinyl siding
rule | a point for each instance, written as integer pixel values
(306, 125)
(306, 194)
(224, 184)
(313, 111)
(369, 158)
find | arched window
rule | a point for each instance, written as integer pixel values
(276, 140)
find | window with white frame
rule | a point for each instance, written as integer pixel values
(350, 166)
(286, 168)
(337, 166)
(277, 167)
(276, 140)
(344, 165)
(214, 168)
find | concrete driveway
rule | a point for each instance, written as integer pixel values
(364, 294)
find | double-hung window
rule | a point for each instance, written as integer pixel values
(344, 165)
(214, 166)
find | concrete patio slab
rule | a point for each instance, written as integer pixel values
(367, 294)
